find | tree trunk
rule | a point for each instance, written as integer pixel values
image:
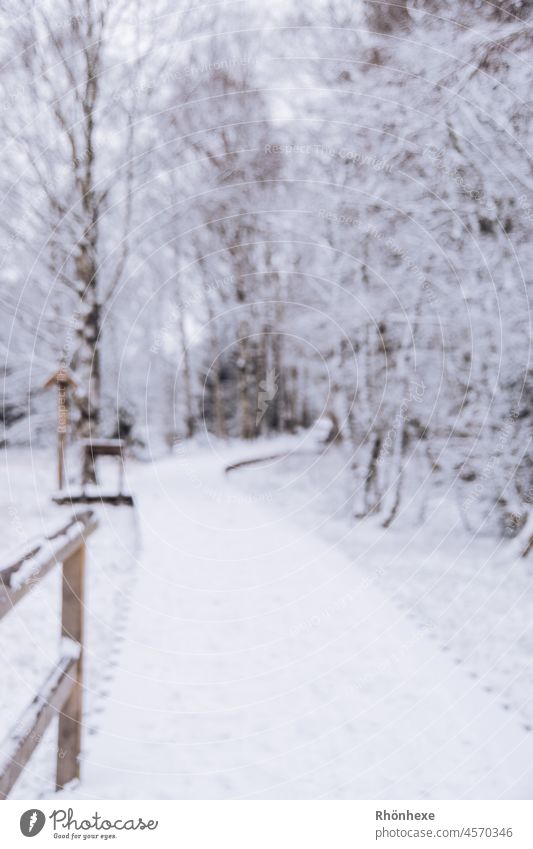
(372, 496)
(398, 484)
(261, 378)
(246, 417)
(190, 418)
(86, 263)
(218, 397)
(335, 433)
(220, 414)
(87, 396)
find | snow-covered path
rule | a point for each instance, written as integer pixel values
(260, 662)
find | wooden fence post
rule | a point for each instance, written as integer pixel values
(60, 695)
(70, 717)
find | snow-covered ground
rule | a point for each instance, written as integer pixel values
(30, 634)
(476, 596)
(270, 647)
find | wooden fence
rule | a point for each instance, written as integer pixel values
(61, 693)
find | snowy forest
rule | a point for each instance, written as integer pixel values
(200, 201)
(299, 229)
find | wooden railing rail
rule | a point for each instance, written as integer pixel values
(255, 461)
(61, 693)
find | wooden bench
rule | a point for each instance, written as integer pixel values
(62, 690)
(94, 448)
(92, 493)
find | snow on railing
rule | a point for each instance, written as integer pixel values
(49, 550)
(61, 692)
